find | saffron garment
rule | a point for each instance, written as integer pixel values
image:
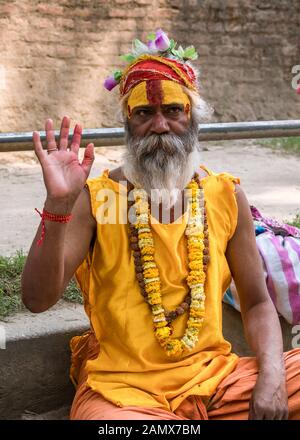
(229, 402)
(130, 367)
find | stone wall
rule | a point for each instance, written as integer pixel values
(54, 56)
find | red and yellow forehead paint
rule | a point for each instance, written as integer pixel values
(157, 92)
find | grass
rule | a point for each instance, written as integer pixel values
(10, 285)
(289, 145)
(295, 221)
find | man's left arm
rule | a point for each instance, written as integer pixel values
(260, 320)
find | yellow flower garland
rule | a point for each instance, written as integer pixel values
(196, 279)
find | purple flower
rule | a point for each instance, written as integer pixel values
(298, 89)
(162, 41)
(110, 83)
(151, 45)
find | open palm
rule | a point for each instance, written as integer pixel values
(64, 175)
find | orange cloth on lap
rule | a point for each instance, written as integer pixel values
(230, 402)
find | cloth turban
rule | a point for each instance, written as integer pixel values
(153, 80)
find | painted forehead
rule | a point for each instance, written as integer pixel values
(157, 92)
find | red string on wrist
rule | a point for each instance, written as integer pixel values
(45, 215)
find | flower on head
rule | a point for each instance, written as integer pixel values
(151, 45)
(159, 45)
(162, 42)
(110, 83)
(298, 89)
(113, 80)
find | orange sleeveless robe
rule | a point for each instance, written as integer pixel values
(131, 367)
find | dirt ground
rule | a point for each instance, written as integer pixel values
(270, 179)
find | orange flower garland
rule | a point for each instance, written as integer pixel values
(148, 277)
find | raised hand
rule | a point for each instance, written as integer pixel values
(64, 175)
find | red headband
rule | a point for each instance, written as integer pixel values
(149, 67)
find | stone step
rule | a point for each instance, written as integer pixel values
(56, 414)
(35, 360)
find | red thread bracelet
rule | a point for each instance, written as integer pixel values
(45, 215)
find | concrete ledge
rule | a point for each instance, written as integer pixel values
(34, 366)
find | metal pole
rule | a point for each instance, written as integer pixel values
(104, 137)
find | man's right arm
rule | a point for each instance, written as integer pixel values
(50, 266)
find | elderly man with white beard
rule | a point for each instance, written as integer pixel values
(153, 284)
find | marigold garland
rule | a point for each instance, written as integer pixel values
(142, 243)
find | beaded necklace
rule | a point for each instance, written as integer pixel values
(147, 273)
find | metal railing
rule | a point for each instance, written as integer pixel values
(104, 137)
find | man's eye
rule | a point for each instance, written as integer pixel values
(174, 109)
(142, 112)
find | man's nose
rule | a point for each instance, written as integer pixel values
(159, 124)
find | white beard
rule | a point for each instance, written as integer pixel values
(163, 184)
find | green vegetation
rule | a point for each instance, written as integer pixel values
(10, 285)
(295, 221)
(10, 281)
(286, 144)
(73, 293)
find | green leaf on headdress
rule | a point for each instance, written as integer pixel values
(117, 75)
(139, 47)
(190, 53)
(180, 52)
(127, 57)
(172, 44)
(151, 36)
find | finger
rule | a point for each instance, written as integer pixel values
(88, 158)
(252, 416)
(64, 133)
(76, 139)
(255, 413)
(38, 148)
(283, 414)
(268, 415)
(50, 137)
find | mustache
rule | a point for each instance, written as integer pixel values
(168, 143)
(153, 144)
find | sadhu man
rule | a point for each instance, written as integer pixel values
(152, 288)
